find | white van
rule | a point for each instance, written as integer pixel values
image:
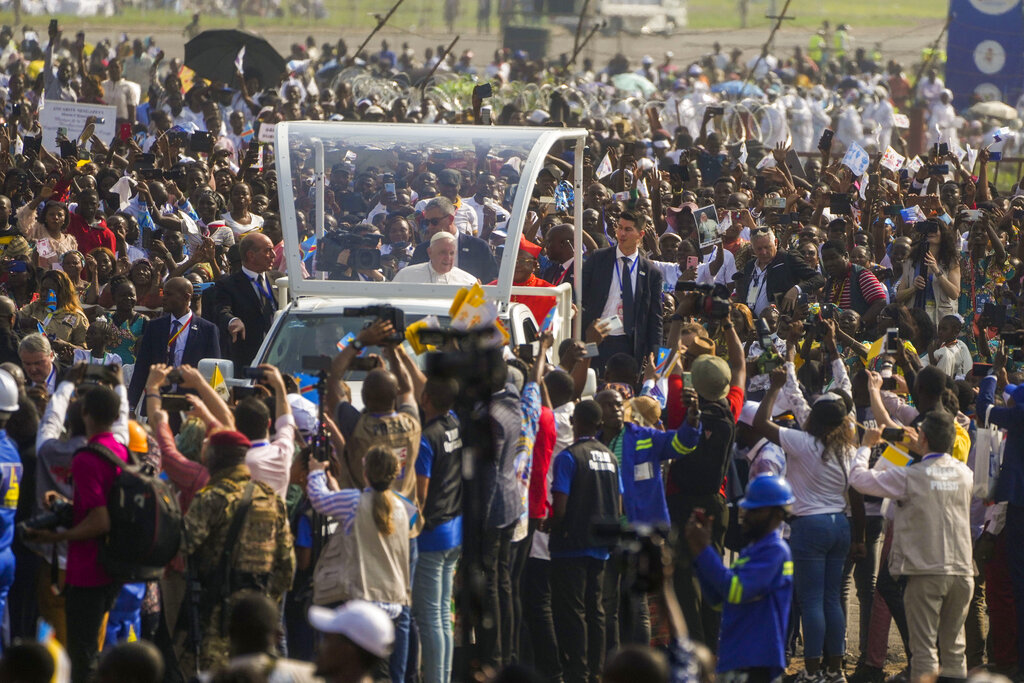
(312, 320)
(662, 17)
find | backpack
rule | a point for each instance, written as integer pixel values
(145, 521)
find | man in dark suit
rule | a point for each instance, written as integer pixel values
(620, 282)
(774, 273)
(244, 303)
(178, 338)
(558, 243)
(472, 255)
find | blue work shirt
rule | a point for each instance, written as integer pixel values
(10, 487)
(1010, 484)
(643, 450)
(755, 595)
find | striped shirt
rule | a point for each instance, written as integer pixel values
(344, 504)
(870, 289)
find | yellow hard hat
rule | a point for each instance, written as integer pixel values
(138, 440)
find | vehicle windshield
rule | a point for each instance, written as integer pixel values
(389, 190)
(304, 335)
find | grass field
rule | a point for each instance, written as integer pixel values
(713, 14)
(427, 16)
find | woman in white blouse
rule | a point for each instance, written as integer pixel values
(817, 462)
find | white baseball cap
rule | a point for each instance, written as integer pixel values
(364, 624)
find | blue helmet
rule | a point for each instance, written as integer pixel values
(767, 490)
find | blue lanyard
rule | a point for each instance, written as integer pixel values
(618, 269)
(265, 292)
(932, 455)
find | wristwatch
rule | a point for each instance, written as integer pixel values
(358, 345)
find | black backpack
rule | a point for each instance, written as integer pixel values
(145, 521)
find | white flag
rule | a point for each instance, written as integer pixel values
(913, 166)
(240, 60)
(856, 159)
(893, 160)
(901, 120)
(958, 151)
(605, 167)
(767, 161)
(641, 189)
(972, 156)
(864, 180)
(743, 152)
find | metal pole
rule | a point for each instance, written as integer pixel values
(579, 27)
(767, 43)
(440, 58)
(577, 265)
(380, 24)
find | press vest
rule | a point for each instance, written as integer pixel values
(364, 564)
(593, 495)
(444, 495)
(931, 527)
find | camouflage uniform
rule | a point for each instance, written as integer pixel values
(263, 559)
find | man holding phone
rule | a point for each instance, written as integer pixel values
(57, 87)
(268, 460)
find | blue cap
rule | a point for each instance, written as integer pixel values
(767, 490)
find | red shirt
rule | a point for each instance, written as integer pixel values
(89, 237)
(543, 447)
(93, 477)
(538, 305)
(675, 413)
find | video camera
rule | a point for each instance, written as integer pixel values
(639, 549)
(88, 375)
(59, 515)
(816, 313)
(384, 312)
(363, 252)
(707, 301)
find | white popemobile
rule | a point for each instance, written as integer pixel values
(314, 295)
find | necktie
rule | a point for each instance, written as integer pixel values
(267, 303)
(175, 326)
(627, 295)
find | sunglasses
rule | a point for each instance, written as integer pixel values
(436, 221)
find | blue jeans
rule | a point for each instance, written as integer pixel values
(431, 605)
(820, 544)
(399, 660)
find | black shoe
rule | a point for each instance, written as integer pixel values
(865, 673)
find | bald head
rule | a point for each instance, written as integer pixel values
(256, 252)
(177, 296)
(179, 284)
(559, 242)
(380, 390)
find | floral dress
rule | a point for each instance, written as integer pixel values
(982, 281)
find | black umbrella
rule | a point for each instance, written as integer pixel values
(211, 54)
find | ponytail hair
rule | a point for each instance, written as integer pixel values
(381, 467)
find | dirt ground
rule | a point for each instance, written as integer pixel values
(902, 43)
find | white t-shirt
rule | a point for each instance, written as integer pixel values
(818, 485)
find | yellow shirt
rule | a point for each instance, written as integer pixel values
(962, 443)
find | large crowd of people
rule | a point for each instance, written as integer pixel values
(797, 394)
